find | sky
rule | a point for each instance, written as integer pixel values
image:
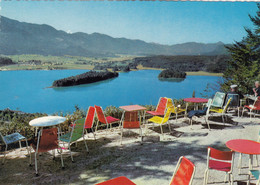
(153, 21)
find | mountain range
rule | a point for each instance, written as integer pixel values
(27, 38)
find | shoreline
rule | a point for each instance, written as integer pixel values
(189, 73)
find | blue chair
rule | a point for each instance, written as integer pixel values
(13, 138)
(256, 174)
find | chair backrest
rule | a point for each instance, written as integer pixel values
(90, 117)
(235, 100)
(48, 140)
(257, 102)
(184, 172)
(226, 106)
(218, 100)
(131, 120)
(2, 138)
(77, 130)
(167, 114)
(100, 114)
(217, 155)
(169, 103)
(209, 102)
(161, 105)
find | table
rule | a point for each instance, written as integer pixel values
(46, 121)
(194, 100)
(246, 147)
(133, 108)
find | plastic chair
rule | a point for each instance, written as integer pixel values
(221, 161)
(118, 181)
(47, 140)
(222, 111)
(13, 138)
(255, 106)
(165, 119)
(184, 172)
(105, 120)
(160, 109)
(203, 112)
(219, 99)
(76, 133)
(131, 121)
(235, 102)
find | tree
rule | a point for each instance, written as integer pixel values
(243, 68)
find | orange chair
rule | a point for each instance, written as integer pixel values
(184, 172)
(221, 161)
(160, 109)
(118, 181)
(47, 140)
(131, 121)
(255, 106)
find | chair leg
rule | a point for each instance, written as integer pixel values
(85, 143)
(169, 126)
(3, 161)
(61, 158)
(70, 153)
(232, 178)
(206, 175)
(20, 145)
(121, 135)
(36, 168)
(29, 152)
(161, 129)
(240, 163)
(93, 133)
(256, 157)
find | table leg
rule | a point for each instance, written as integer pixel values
(250, 168)
(186, 109)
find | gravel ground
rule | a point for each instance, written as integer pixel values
(151, 162)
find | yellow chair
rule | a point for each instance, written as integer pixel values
(165, 119)
(221, 111)
(176, 110)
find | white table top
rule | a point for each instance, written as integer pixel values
(47, 121)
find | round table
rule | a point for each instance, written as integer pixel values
(196, 100)
(47, 121)
(244, 146)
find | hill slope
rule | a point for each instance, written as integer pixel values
(26, 38)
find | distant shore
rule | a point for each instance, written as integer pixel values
(89, 67)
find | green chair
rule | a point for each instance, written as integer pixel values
(76, 133)
(218, 100)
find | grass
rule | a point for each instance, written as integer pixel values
(78, 62)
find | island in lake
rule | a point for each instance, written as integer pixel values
(171, 74)
(85, 78)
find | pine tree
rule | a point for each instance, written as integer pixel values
(244, 66)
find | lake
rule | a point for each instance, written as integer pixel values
(27, 90)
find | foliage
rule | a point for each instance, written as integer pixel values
(5, 61)
(185, 63)
(171, 73)
(243, 68)
(85, 78)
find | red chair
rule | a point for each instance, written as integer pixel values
(47, 140)
(160, 109)
(105, 120)
(221, 161)
(118, 181)
(255, 106)
(89, 121)
(131, 121)
(184, 172)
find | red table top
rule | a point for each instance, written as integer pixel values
(130, 108)
(244, 146)
(196, 100)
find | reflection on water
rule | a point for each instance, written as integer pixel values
(26, 90)
(171, 79)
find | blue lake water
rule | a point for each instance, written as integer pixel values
(26, 90)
